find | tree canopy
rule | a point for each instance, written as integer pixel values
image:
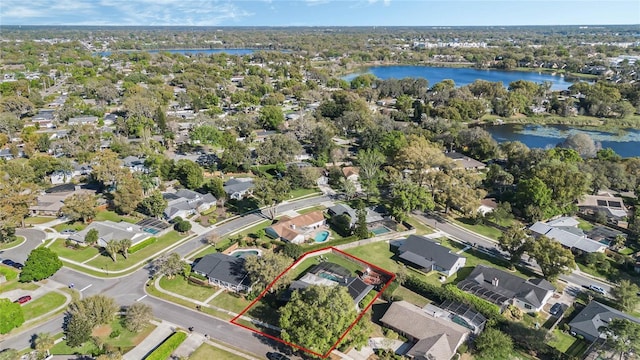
(41, 264)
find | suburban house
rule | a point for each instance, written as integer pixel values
(330, 274)
(432, 337)
(225, 271)
(83, 120)
(606, 203)
(461, 161)
(351, 173)
(297, 229)
(184, 203)
(428, 255)
(343, 209)
(594, 317)
(487, 205)
(109, 230)
(238, 188)
(51, 200)
(81, 169)
(565, 231)
(503, 288)
(134, 164)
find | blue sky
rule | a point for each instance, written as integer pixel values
(319, 12)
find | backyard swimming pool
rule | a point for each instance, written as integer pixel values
(245, 253)
(322, 236)
(380, 230)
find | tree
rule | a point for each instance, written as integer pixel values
(626, 295)
(515, 241)
(317, 316)
(92, 237)
(137, 316)
(361, 230)
(263, 269)
(128, 194)
(270, 193)
(80, 207)
(77, 330)
(370, 162)
(188, 173)
(125, 244)
(106, 167)
(154, 204)
(11, 316)
(271, 117)
(10, 354)
(10, 124)
(278, 148)
(292, 250)
(406, 197)
(623, 336)
(84, 314)
(7, 233)
(552, 258)
(494, 344)
(41, 264)
(534, 193)
(348, 187)
(182, 226)
(43, 343)
(582, 143)
(213, 239)
(169, 265)
(113, 247)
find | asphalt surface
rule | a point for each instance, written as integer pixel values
(131, 288)
(19, 254)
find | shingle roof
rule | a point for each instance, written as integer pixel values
(288, 229)
(340, 209)
(596, 315)
(223, 267)
(565, 237)
(237, 185)
(185, 200)
(109, 230)
(422, 251)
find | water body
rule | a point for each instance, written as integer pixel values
(624, 142)
(188, 51)
(461, 76)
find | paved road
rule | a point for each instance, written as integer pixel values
(577, 279)
(130, 288)
(34, 238)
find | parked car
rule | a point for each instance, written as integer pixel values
(597, 289)
(23, 299)
(276, 356)
(556, 309)
(17, 265)
(7, 262)
(68, 232)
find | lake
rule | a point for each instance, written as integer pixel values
(188, 51)
(461, 76)
(624, 142)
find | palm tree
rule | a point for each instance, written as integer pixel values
(125, 244)
(44, 342)
(112, 248)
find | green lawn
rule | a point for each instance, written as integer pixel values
(77, 226)
(303, 192)
(19, 240)
(164, 241)
(311, 209)
(12, 283)
(42, 305)
(206, 352)
(378, 254)
(486, 230)
(626, 251)
(126, 340)
(411, 297)
(155, 292)
(568, 344)
(34, 220)
(179, 285)
(230, 301)
(80, 254)
(421, 229)
(254, 228)
(113, 216)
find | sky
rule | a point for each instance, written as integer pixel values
(319, 12)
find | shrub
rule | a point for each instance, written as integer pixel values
(141, 245)
(387, 294)
(114, 334)
(167, 347)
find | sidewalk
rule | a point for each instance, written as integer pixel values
(158, 335)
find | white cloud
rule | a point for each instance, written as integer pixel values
(316, 2)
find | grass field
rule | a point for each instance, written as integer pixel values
(80, 254)
(378, 254)
(179, 285)
(164, 241)
(77, 226)
(12, 283)
(311, 209)
(486, 230)
(229, 301)
(568, 344)
(421, 229)
(206, 352)
(410, 296)
(34, 220)
(113, 216)
(155, 292)
(303, 192)
(42, 305)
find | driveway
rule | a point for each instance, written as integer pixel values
(34, 239)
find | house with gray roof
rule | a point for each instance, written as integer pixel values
(503, 288)
(184, 203)
(134, 164)
(238, 188)
(565, 231)
(83, 120)
(109, 230)
(343, 209)
(432, 337)
(225, 271)
(427, 255)
(462, 161)
(594, 317)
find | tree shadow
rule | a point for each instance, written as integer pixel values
(242, 206)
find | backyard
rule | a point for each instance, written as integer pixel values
(571, 346)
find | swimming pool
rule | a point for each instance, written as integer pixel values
(380, 230)
(329, 277)
(322, 236)
(245, 253)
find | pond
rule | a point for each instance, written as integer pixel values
(461, 76)
(625, 142)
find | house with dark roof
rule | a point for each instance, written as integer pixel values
(503, 288)
(134, 164)
(595, 316)
(184, 203)
(225, 271)
(238, 188)
(565, 231)
(432, 337)
(343, 209)
(427, 255)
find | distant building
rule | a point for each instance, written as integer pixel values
(83, 120)
(462, 161)
(565, 231)
(606, 203)
(51, 201)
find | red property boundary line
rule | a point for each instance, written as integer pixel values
(392, 276)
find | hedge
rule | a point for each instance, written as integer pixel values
(164, 351)
(388, 292)
(367, 299)
(451, 292)
(141, 245)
